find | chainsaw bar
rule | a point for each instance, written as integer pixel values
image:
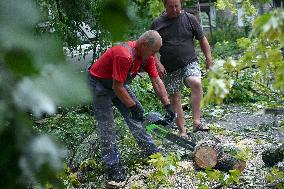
(155, 124)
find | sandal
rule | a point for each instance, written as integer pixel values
(200, 127)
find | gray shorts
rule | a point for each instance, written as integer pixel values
(174, 81)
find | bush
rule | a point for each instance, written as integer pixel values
(226, 30)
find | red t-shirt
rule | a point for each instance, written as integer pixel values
(116, 63)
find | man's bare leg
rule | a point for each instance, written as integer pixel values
(196, 96)
(176, 104)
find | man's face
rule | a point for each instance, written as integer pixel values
(173, 8)
(149, 51)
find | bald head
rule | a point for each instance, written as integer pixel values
(151, 37)
(148, 44)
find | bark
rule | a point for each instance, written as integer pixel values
(209, 152)
(207, 149)
(228, 162)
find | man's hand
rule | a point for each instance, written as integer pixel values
(136, 112)
(170, 111)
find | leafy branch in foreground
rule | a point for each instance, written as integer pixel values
(33, 80)
(262, 52)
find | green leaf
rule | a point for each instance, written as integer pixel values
(18, 14)
(20, 62)
(114, 18)
(57, 85)
(63, 85)
(42, 159)
(244, 42)
(203, 187)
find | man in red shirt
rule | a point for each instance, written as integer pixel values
(109, 77)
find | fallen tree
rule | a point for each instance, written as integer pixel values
(207, 149)
(209, 152)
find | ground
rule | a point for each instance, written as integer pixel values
(244, 126)
(237, 126)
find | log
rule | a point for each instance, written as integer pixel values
(202, 136)
(228, 162)
(273, 155)
(207, 149)
(209, 152)
(274, 111)
(206, 154)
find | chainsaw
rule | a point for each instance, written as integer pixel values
(156, 124)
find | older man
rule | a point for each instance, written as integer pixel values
(109, 77)
(179, 63)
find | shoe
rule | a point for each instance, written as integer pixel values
(115, 177)
(200, 127)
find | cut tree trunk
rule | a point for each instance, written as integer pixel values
(207, 149)
(228, 162)
(273, 155)
(206, 154)
(209, 152)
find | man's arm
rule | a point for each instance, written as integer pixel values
(207, 51)
(160, 90)
(160, 67)
(122, 94)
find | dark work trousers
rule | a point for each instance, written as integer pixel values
(104, 99)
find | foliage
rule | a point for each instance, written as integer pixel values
(225, 179)
(33, 79)
(239, 153)
(262, 51)
(245, 90)
(164, 167)
(69, 179)
(149, 8)
(249, 6)
(142, 87)
(226, 30)
(276, 176)
(65, 16)
(267, 43)
(70, 127)
(219, 83)
(226, 49)
(65, 19)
